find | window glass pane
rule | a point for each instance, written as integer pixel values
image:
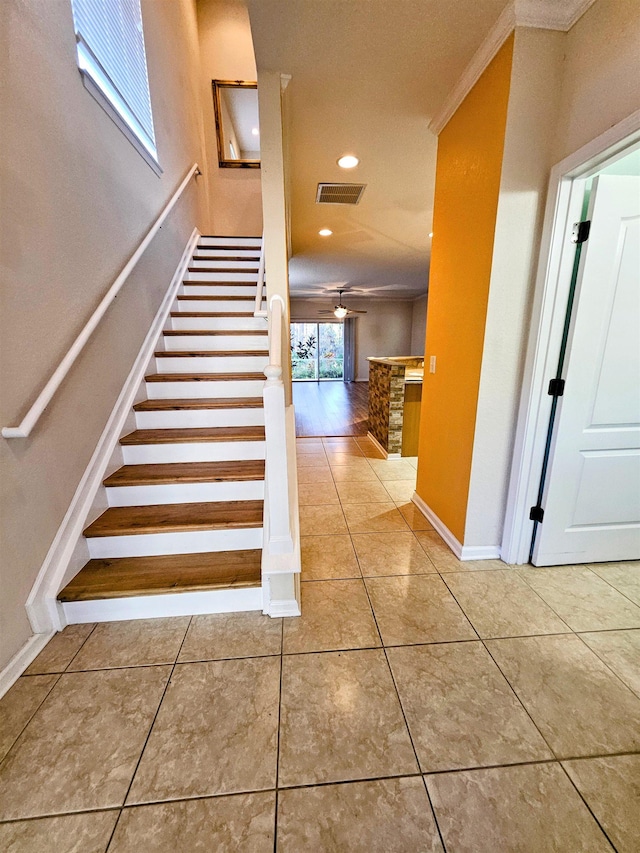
(304, 348)
(331, 350)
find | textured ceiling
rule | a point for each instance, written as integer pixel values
(367, 77)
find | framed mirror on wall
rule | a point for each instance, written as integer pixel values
(235, 103)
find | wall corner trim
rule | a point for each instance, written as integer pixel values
(520, 13)
(462, 552)
(21, 660)
(41, 606)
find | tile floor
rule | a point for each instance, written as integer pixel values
(419, 704)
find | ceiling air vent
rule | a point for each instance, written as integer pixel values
(339, 193)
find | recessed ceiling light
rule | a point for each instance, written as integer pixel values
(255, 131)
(348, 161)
(430, 233)
(325, 232)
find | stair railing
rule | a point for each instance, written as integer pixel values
(258, 311)
(23, 430)
(279, 536)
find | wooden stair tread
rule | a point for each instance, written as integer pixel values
(172, 333)
(245, 270)
(225, 298)
(199, 403)
(209, 353)
(211, 314)
(155, 474)
(193, 434)
(215, 249)
(238, 283)
(128, 576)
(203, 377)
(176, 518)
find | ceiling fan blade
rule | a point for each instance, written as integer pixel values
(355, 311)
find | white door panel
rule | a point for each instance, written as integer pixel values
(592, 492)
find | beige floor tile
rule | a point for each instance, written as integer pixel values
(322, 520)
(345, 460)
(460, 709)
(529, 809)
(374, 518)
(625, 577)
(314, 474)
(340, 441)
(344, 455)
(80, 749)
(582, 599)
(362, 492)
(620, 650)
(501, 604)
(611, 787)
(438, 551)
(315, 494)
(391, 554)
(412, 515)
(312, 460)
(400, 490)
(579, 706)
(356, 472)
(384, 816)
(412, 460)
(139, 642)
(335, 615)
(60, 650)
(341, 719)
(392, 469)
(417, 609)
(215, 733)
(370, 450)
(78, 833)
(325, 557)
(309, 445)
(231, 635)
(19, 704)
(242, 822)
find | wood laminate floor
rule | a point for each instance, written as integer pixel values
(331, 408)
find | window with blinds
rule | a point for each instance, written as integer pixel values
(113, 64)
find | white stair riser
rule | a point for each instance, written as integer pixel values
(192, 451)
(242, 277)
(215, 342)
(185, 493)
(220, 324)
(220, 254)
(200, 390)
(210, 288)
(203, 242)
(212, 364)
(194, 418)
(157, 544)
(231, 306)
(221, 263)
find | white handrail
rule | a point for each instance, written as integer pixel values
(257, 311)
(280, 540)
(44, 397)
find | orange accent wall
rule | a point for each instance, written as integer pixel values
(469, 164)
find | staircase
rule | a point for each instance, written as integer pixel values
(185, 510)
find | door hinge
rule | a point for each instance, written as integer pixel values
(556, 388)
(537, 513)
(580, 233)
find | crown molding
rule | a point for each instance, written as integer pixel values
(537, 14)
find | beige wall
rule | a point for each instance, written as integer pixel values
(384, 330)
(226, 53)
(418, 325)
(76, 200)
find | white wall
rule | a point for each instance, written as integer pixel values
(384, 330)
(76, 200)
(418, 325)
(226, 53)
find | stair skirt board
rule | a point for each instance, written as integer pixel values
(168, 604)
(202, 389)
(185, 493)
(201, 451)
(181, 542)
(199, 418)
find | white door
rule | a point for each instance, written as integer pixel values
(592, 492)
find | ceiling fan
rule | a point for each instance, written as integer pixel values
(341, 311)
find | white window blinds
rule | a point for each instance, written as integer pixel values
(111, 52)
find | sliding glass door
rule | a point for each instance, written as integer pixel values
(317, 351)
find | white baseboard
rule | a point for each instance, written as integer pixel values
(462, 552)
(21, 660)
(157, 606)
(381, 448)
(43, 610)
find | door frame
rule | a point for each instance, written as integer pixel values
(563, 208)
